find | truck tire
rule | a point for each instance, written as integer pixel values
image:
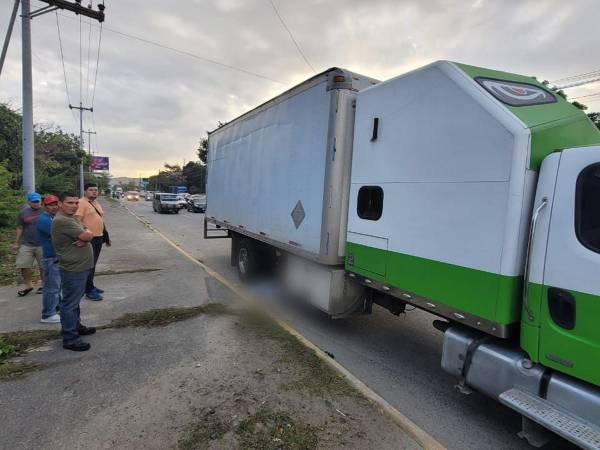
(247, 259)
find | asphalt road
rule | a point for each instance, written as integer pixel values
(397, 357)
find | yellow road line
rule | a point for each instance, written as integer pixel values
(418, 434)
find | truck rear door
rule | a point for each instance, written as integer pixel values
(570, 302)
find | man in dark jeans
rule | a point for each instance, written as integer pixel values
(91, 215)
(71, 242)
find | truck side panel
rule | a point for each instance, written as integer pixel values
(265, 165)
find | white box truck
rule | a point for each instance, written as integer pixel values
(466, 192)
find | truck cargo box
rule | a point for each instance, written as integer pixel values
(440, 200)
(281, 172)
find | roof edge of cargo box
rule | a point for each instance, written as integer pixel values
(306, 84)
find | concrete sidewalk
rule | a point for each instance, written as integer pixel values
(158, 277)
(215, 381)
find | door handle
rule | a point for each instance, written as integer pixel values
(562, 307)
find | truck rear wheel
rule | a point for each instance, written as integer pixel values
(247, 259)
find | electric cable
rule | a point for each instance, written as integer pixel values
(581, 75)
(87, 72)
(292, 37)
(62, 59)
(584, 96)
(96, 71)
(186, 53)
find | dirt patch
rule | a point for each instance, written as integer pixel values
(105, 273)
(315, 376)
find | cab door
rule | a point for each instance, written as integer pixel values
(570, 301)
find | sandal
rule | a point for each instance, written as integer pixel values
(24, 292)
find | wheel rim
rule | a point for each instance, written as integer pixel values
(243, 261)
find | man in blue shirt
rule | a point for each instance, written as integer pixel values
(51, 294)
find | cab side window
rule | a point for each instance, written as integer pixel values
(587, 207)
(370, 202)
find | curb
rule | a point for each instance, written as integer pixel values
(424, 439)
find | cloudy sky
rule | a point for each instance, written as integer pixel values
(153, 104)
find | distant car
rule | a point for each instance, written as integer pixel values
(197, 203)
(165, 203)
(132, 196)
(149, 196)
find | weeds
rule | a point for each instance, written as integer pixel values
(165, 316)
(201, 433)
(11, 370)
(270, 430)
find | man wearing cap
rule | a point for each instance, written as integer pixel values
(26, 243)
(51, 293)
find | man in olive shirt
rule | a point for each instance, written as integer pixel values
(71, 242)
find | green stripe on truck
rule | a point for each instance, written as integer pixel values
(487, 295)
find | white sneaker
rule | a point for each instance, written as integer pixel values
(52, 319)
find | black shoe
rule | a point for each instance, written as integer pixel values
(85, 331)
(99, 291)
(77, 346)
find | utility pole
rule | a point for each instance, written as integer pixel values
(81, 110)
(11, 23)
(26, 16)
(28, 155)
(89, 133)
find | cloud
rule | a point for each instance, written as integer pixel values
(152, 105)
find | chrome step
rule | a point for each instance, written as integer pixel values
(566, 425)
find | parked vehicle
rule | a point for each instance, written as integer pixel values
(466, 192)
(132, 196)
(165, 203)
(149, 195)
(182, 201)
(196, 203)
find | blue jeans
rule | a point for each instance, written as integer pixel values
(51, 294)
(73, 289)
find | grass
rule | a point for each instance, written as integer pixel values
(14, 344)
(265, 430)
(11, 370)
(315, 375)
(210, 428)
(121, 272)
(165, 316)
(270, 430)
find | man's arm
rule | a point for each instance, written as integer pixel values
(18, 234)
(86, 236)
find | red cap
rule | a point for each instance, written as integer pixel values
(50, 199)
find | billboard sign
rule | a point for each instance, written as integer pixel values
(99, 163)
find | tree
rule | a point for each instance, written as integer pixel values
(194, 175)
(203, 145)
(10, 199)
(595, 118)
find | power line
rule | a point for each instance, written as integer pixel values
(187, 53)
(584, 96)
(87, 72)
(62, 59)
(97, 64)
(581, 75)
(581, 82)
(292, 37)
